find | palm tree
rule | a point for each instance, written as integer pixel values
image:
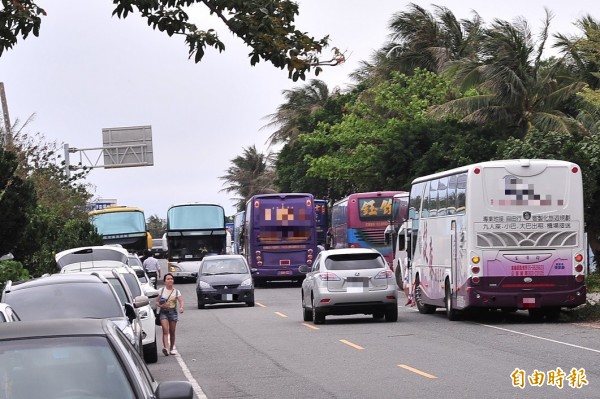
(293, 117)
(250, 173)
(420, 39)
(514, 87)
(582, 53)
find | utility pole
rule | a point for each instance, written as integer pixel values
(6, 140)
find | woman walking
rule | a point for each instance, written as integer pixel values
(167, 302)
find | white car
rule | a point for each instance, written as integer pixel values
(349, 281)
(8, 314)
(107, 258)
(147, 284)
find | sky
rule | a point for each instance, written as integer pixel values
(88, 71)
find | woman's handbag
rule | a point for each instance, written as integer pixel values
(157, 318)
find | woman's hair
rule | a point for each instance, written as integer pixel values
(168, 274)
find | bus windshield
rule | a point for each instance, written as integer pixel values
(192, 217)
(121, 222)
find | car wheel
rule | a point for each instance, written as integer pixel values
(391, 314)
(250, 304)
(423, 307)
(317, 314)
(200, 304)
(451, 314)
(150, 352)
(306, 313)
(378, 315)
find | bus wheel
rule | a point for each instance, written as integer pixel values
(423, 307)
(552, 313)
(398, 275)
(451, 313)
(536, 314)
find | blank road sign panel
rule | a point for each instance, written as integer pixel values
(127, 146)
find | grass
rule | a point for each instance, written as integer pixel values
(587, 312)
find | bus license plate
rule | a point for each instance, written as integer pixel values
(284, 272)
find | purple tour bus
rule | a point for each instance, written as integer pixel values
(280, 235)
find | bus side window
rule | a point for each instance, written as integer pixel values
(442, 196)
(452, 182)
(461, 189)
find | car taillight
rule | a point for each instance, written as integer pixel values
(384, 274)
(329, 276)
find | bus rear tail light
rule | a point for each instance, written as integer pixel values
(579, 278)
(257, 253)
(329, 277)
(475, 279)
(259, 264)
(579, 268)
(309, 262)
(309, 257)
(475, 269)
(578, 258)
(476, 259)
(310, 251)
(384, 274)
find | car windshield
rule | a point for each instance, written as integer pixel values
(64, 301)
(223, 266)
(134, 261)
(354, 261)
(65, 367)
(133, 284)
(90, 255)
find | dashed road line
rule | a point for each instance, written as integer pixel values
(416, 371)
(281, 314)
(343, 341)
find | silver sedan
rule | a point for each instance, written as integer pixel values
(349, 281)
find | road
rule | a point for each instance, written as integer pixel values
(232, 351)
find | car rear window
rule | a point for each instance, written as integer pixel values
(61, 301)
(354, 262)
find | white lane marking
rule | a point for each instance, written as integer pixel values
(542, 338)
(281, 314)
(197, 390)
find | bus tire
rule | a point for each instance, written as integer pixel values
(451, 313)
(422, 307)
(398, 275)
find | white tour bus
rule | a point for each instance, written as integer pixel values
(503, 234)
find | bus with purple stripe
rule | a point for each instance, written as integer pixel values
(280, 235)
(505, 234)
(360, 221)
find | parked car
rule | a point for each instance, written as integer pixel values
(224, 279)
(128, 287)
(76, 358)
(147, 284)
(72, 295)
(158, 250)
(81, 258)
(7, 313)
(349, 281)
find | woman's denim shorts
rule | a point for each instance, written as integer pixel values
(169, 314)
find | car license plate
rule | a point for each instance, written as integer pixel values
(227, 297)
(284, 272)
(357, 284)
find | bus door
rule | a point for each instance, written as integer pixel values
(453, 258)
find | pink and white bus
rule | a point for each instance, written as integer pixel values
(360, 221)
(500, 235)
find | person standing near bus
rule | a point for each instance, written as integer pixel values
(152, 267)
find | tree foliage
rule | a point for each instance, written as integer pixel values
(156, 226)
(266, 26)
